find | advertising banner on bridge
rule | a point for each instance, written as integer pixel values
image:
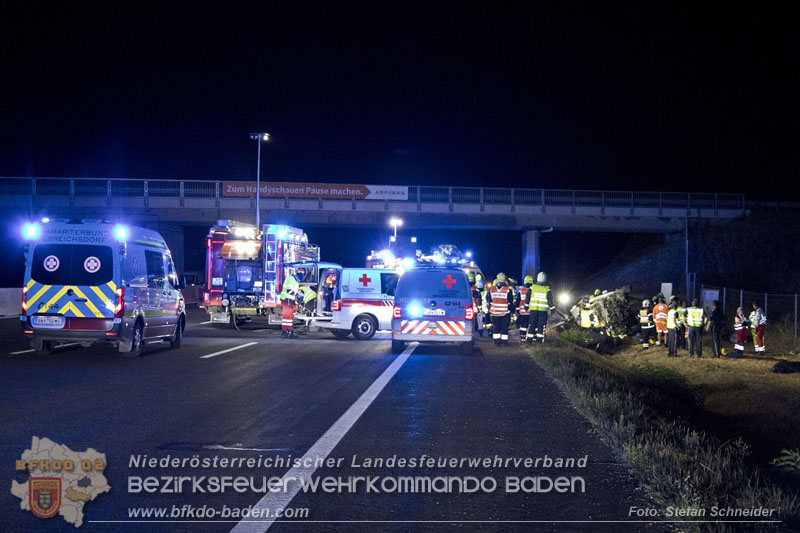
(327, 191)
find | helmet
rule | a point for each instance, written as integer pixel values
(478, 276)
(471, 277)
(597, 292)
(501, 278)
(512, 281)
(541, 277)
(528, 279)
(645, 303)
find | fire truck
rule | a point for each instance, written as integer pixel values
(245, 269)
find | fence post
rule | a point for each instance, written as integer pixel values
(795, 319)
(741, 297)
(766, 305)
(724, 296)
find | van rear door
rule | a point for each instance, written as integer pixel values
(71, 280)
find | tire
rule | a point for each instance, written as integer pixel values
(176, 340)
(466, 348)
(397, 346)
(137, 341)
(340, 333)
(364, 327)
(44, 348)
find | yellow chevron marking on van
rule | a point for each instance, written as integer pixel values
(30, 283)
(37, 295)
(100, 293)
(112, 286)
(70, 307)
(88, 303)
(55, 298)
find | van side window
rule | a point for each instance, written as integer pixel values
(388, 283)
(155, 269)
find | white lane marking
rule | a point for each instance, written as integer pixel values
(202, 323)
(57, 346)
(228, 350)
(322, 448)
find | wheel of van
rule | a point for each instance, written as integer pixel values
(397, 346)
(364, 327)
(43, 347)
(340, 333)
(137, 340)
(175, 342)
(466, 348)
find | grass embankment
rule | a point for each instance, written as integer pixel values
(638, 404)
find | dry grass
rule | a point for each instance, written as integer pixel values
(742, 394)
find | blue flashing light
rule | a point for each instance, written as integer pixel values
(45, 220)
(415, 310)
(121, 233)
(283, 233)
(468, 254)
(31, 231)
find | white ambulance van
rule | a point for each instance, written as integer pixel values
(360, 299)
(91, 281)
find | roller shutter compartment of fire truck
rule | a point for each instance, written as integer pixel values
(245, 269)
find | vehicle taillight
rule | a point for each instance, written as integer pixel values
(119, 310)
(337, 305)
(205, 296)
(396, 311)
(470, 313)
(24, 303)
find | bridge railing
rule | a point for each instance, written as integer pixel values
(130, 188)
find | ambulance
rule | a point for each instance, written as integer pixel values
(95, 282)
(358, 300)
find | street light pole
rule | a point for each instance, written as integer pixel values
(258, 137)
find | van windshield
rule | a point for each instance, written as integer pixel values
(433, 284)
(72, 264)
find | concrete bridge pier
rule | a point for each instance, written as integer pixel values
(531, 262)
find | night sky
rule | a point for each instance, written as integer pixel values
(673, 97)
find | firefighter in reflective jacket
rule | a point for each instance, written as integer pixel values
(646, 324)
(523, 301)
(287, 296)
(501, 305)
(307, 296)
(585, 313)
(476, 304)
(696, 319)
(541, 304)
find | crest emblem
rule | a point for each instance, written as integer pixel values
(44, 496)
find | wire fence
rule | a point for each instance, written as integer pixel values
(781, 309)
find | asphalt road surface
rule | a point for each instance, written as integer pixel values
(260, 396)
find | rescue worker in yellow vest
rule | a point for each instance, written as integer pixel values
(586, 319)
(307, 297)
(288, 294)
(696, 320)
(501, 302)
(541, 304)
(672, 330)
(683, 329)
(523, 301)
(646, 324)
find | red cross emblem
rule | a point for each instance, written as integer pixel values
(51, 263)
(449, 281)
(92, 264)
(364, 279)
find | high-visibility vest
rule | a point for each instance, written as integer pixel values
(524, 296)
(738, 324)
(695, 317)
(681, 318)
(308, 294)
(289, 288)
(586, 318)
(644, 318)
(752, 320)
(671, 322)
(539, 298)
(761, 321)
(660, 313)
(500, 301)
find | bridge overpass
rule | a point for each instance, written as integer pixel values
(171, 205)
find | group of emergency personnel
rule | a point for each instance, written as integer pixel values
(680, 327)
(293, 295)
(499, 302)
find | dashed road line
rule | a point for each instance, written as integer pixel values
(228, 350)
(321, 449)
